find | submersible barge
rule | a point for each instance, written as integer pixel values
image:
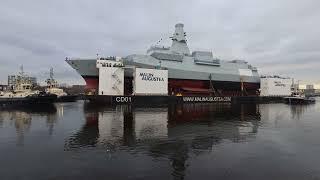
(163, 100)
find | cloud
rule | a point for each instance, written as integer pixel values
(277, 36)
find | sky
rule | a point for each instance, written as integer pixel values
(280, 37)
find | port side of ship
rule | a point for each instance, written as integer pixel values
(196, 73)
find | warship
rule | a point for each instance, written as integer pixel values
(189, 73)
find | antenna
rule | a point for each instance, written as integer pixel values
(51, 73)
(21, 70)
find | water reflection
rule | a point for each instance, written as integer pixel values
(21, 119)
(298, 110)
(282, 115)
(173, 132)
(166, 141)
(87, 135)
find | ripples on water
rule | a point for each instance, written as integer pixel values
(190, 141)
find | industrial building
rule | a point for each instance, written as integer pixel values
(3, 87)
(275, 86)
(307, 89)
(13, 78)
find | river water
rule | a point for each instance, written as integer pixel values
(191, 141)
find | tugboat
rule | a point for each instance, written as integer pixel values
(298, 98)
(22, 93)
(52, 88)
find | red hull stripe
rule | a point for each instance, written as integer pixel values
(92, 82)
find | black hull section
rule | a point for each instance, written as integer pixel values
(150, 101)
(68, 98)
(35, 100)
(294, 100)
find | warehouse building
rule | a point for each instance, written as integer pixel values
(275, 86)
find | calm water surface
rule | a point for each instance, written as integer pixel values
(83, 141)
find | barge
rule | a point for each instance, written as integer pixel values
(163, 100)
(32, 100)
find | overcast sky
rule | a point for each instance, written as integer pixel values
(278, 36)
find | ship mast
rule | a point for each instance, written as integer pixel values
(179, 41)
(21, 71)
(51, 73)
(51, 82)
(22, 82)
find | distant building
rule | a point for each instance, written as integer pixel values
(3, 87)
(64, 85)
(309, 86)
(302, 87)
(309, 89)
(12, 79)
(317, 89)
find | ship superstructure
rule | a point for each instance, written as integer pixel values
(53, 88)
(198, 72)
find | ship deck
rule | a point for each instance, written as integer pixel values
(162, 100)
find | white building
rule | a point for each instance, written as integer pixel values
(150, 82)
(12, 79)
(275, 86)
(111, 77)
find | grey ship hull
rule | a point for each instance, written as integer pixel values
(225, 79)
(87, 69)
